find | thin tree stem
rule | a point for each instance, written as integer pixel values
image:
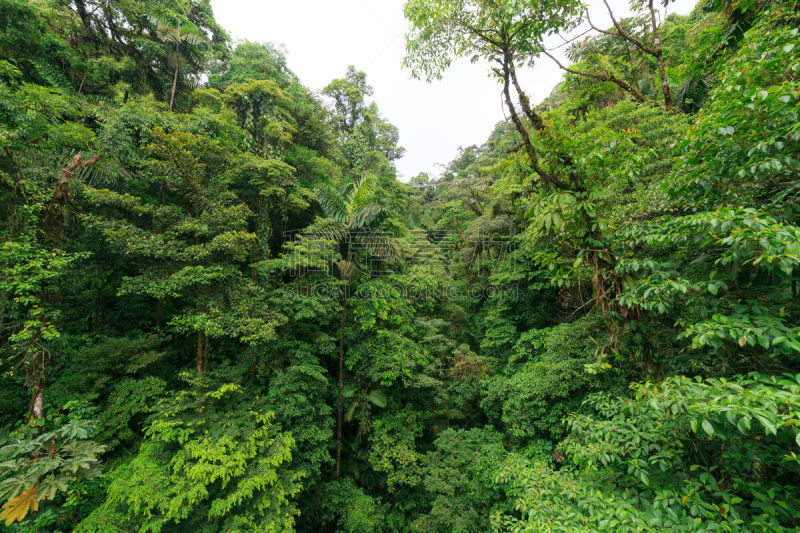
(174, 84)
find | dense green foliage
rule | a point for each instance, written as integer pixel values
(221, 311)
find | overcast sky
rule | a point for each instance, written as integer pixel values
(323, 37)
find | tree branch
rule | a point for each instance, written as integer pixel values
(603, 76)
(659, 57)
(627, 36)
(524, 102)
(482, 34)
(533, 156)
(598, 30)
(572, 39)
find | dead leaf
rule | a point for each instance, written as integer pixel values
(16, 509)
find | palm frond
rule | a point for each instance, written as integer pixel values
(378, 244)
(174, 36)
(194, 39)
(108, 173)
(333, 203)
(365, 215)
(168, 35)
(51, 74)
(363, 192)
(154, 21)
(328, 229)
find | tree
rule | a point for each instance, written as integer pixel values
(349, 96)
(239, 288)
(653, 49)
(636, 33)
(45, 460)
(251, 61)
(200, 241)
(206, 461)
(419, 179)
(506, 34)
(687, 449)
(264, 111)
(351, 212)
(182, 48)
(358, 122)
(39, 209)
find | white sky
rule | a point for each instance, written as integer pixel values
(323, 37)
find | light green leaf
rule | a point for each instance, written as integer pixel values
(378, 398)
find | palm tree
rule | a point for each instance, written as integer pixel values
(180, 45)
(351, 212)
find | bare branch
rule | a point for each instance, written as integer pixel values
(568, 41)
(595, 28)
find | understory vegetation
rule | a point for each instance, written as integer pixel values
(222, 311)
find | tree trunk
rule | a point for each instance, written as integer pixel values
(53, 228)
(660, 58)
(36, 409)
(80, 7)
(520, 127)
(533, 157)
(199, 356)
(174, 84)
(83, 80)
(525, 103)
(341, 387)
(205, 356)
